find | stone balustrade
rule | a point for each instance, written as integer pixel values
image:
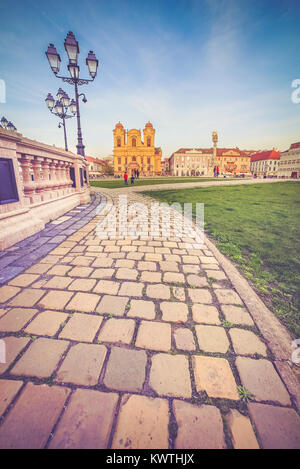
(38, 182)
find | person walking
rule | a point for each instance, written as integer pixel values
(217, 171)
(132, 179)
(125, 178)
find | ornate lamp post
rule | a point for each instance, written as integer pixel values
(7, 125)
(72, 49)
(60, 108)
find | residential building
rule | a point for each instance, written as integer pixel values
(131, 153)
(265, 163)
(289, 165)
(96, 167)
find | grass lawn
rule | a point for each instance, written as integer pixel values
(258, 227)
(116, 183)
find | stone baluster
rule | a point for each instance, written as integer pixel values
(53, 182)
(37, 173)
(28, 184)
(70, 182)
(46, 178)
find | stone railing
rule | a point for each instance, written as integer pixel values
(38, 182)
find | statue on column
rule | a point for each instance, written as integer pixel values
(213, 160)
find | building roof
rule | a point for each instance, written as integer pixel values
(94, 160)
(266, 155)
(295, 145)
(220, 151)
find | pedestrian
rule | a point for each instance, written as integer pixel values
(125, 178)
(132, 179)
(217, 171)
(137, 174)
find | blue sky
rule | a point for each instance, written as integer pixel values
(188, 66)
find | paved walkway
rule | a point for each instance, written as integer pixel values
(133, 343)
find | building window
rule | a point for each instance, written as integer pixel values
(148, 160)
(133, 141)
(149, 142)
(119, 160)
(118, 142)
(134, 158)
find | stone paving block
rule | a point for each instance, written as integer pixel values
(30, 421)
(13, 346)
(197, 281)
(131, 289)
(117, 331)
(87, 421)
(143, 265)
(206, 314)
(278, 427)
(55, 299)
(237, 315)
(246, 342)
(81, 327)
(112, 305)
(59, 270)
(208, 260)
(226, 296)
(102, 273)
(83, 302)
(200, 295)
(178, 293)
(82, 260)
(154, 336)
(172, 258)
(173, 277)
(94, 249)
(261, 379)
(82, 284)
(27, 298)
(142, 423)
(7, 292)
(82, 364)
(218, 275)
(169, 266)
(151, 277)
(158, 291)
(107, 287)
(243, 436)
(126, 369)
(190, 269)
(212, 339)
(190, 260)
(142, 309)
(41, 358)
(38, 269)
(126, 274)
(3, 311)
(80, 272)
(103, 262)
(214, 376)
(174, 311)
(50, 259)
(46, 323)
(199, 427)
(60, 283)
(8, 390)
(153, 257)
(169, 375)
(126, 263)
(136, 256)
(23, 280)
(16, 319)
(184, 339)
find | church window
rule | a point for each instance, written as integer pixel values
(134, 158)
(133, 141)
(118, 142)
(119, 160)
(148, 160)
(148, 142)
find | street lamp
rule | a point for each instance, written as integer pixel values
(7, 125)
(60, 108)
(72, 49)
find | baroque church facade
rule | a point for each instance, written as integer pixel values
(132, 153)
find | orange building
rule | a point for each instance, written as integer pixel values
(131, 153)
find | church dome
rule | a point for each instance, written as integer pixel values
(119, 125)
(149, 125)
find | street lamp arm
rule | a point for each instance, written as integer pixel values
(79, 81)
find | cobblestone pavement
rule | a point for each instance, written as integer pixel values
(132, 343)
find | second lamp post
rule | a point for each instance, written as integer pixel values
(60, 108)
(72, 49)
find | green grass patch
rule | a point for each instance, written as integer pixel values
(117, 183)
(257, 226)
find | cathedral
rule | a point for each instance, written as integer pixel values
(132, 154)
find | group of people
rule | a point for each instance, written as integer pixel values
(216, 171)
(134, 175)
